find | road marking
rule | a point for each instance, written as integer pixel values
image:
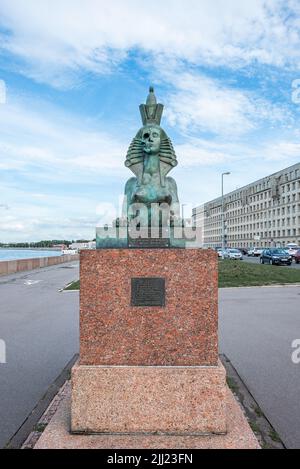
(2, 351)
(31, 282)
(68, 291)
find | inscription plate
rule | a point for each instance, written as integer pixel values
(150, 243)
(149, 239)
(148, 291)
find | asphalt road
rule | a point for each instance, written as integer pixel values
(39, 325)
(257, 327)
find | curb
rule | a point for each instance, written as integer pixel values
(276, 285)
(261, 426)
(32, 419)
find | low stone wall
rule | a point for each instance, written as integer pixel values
(20, 265)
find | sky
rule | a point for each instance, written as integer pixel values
(73, 73)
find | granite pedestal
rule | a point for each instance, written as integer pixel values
(145, 368)
(57, 434)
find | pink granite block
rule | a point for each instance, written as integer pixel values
(171, 399)
(239, 434)
(183, 332)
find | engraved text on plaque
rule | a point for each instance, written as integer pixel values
(148, 291)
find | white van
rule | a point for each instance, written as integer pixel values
(292, 248)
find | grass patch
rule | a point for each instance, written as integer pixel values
(73, 286)
(232, 384)
(275, 437)
(254, 427)
(258, 412)
(243, 274)
(40, 427)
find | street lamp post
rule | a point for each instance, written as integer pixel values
(182, 210)
(223, 221)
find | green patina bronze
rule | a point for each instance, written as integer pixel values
(151, 157)
(151, 195)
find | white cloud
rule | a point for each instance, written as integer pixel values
(50, 139)
(2, 92)
(282, 150)
(204, 104)
(46, 216)
(11, 223)
(57, 36)
(207, 153)
(49, 153)
(45, 146)
(200, 152)
(201, 105)
(53, 147)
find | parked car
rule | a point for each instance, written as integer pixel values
(244, 251)
(256, 252)
(234, 254)
(297, 257)
(292, 248)
(221, 253)
(250, 252)
(275, 256)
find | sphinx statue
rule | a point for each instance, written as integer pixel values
(151, 157)
(151, 198)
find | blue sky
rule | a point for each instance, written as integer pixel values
(73, 73)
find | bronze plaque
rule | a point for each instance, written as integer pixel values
(148, 291)
(150, 243)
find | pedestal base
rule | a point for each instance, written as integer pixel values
(57, 434)
(148, 399)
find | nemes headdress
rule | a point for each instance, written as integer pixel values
(151, 114)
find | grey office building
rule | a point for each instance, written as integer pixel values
(264, 213)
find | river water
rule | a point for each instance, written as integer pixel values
(13, 254)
